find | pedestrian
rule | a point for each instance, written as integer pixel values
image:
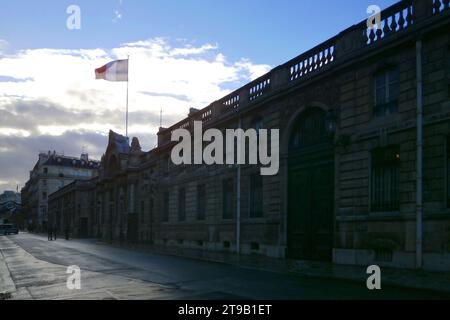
(54, 232)
(50, 233)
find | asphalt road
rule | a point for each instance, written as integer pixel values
(38, 269)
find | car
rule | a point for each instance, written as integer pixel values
(9, 228)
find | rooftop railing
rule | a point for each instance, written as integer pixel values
(393, 20)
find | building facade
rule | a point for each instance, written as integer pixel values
(72, 208)
(364, 177)
(52, 172)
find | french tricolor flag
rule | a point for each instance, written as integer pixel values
(113, 71)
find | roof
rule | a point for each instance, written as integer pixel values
(120, 142)
(63, 161)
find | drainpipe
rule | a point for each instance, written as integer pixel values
(419, 161)
(238, 202)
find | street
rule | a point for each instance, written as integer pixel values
(38, 268)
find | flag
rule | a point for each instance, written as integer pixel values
(113, 71)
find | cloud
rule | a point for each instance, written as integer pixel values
(4, 45)
(50, 100)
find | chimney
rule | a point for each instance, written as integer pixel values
(192, 111)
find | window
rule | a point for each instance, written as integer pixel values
(227, 205)
(44, 183)
(150, 210)
(310, 130)
(142, 212)
(386, 92)
(256, 196)
(385, 179)
(383, 255)
(45, 170)
(201, 202)
(44, 195)
(182, 204)
(165, 217)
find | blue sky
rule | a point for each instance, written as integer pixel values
(184, 54)
(264, 31)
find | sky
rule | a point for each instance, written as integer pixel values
(183, 54)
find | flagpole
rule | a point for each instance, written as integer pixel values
(128, 84)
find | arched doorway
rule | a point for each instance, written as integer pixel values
(311, 188)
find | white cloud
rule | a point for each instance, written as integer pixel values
(50, 93)
(190, 50)
(179, 77)
(4, 45)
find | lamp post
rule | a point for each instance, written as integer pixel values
(331, 122)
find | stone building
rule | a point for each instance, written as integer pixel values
(73, 208)
(364, 176)
(10, 207)
(52, 172)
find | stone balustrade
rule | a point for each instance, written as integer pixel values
(394, 20)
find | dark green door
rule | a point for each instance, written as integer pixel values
(132, 232)
(310, 217)
(84, 227)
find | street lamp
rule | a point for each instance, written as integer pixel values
(331, 122)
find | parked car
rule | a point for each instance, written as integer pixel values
(6, 229)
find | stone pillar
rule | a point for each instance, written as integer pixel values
(244, 94)
(161, 136)
(216, 108)
(350, 41)
(280, 77)
(422, 9)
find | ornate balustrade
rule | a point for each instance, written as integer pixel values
(313, 60)
(396, 19)
(259, 88)
(440, 6)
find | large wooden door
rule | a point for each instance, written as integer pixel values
(132, 231)
(310, 217)
(84, 227)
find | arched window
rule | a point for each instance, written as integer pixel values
(310, 129)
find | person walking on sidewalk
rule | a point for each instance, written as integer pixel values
(54, 232)
(50, 233)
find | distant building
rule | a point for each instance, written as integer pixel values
(10, 204)
(73, 208)
(9, 196)
(52, 172)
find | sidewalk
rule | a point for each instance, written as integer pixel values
(7, 287)
(401, 278)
